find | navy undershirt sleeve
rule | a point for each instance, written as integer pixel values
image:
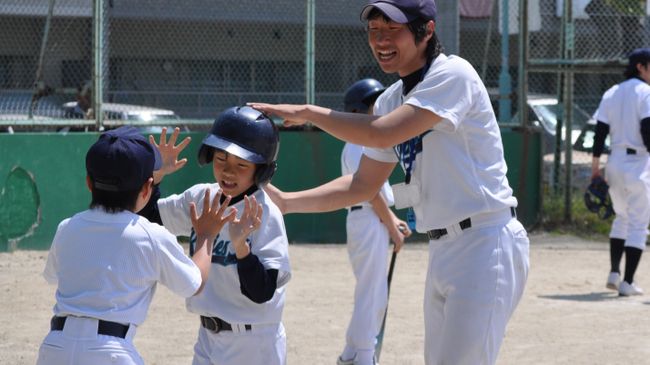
(645, 132)
(150, 211)
(256, 283)
(602, 130)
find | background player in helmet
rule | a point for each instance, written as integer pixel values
(107, 260)
(240, 308)
(369, 225)
(437, 121)
(624, 113)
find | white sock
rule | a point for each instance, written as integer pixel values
(348, 353)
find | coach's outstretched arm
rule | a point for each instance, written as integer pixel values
(342, 192)
(385, 131)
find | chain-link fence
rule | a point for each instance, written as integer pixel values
(192, 58)
(184, 62)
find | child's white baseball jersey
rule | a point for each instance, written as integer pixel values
(623, 107)
(106, 267)
(367, 243)
(478, 265)
(258, 335)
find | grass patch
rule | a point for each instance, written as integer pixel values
(583, 223)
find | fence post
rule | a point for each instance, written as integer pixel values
(310, 66)
(98, 62)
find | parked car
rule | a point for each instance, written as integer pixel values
(133, 113)
(543, 112)
(146, 118)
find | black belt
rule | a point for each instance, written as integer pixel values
(435, 234)
(630, 151)
(216, 324)
(103, 328)
(355, 207)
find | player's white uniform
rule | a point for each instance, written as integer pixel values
(367, 243)
(265, 342)
(623, 107)
(476, 275)
(106, 267)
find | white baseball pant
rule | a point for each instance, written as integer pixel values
(79, 343)
(367, 244)
(475, 280)
(264, 344)
(628, 177)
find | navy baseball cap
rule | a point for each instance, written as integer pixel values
(639, 55)
(402, 11)
(122, 159)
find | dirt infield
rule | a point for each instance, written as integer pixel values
(566, 317)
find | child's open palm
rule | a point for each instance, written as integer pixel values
(213, 217)
(241, 227)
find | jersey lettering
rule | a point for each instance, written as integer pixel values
(221, 254)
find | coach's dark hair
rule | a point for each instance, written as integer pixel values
(114, 201)
(631, 71)
(419, 29)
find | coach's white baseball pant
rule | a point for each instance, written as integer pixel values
(367, 244)
(629, 187)
(475, 279)
(79, 343)
(262, 345)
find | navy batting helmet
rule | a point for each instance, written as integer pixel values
(248, 134)
(360, 95)
(597, 198)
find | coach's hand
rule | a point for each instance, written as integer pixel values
(169, 152)
(241, 228)
(276, 196)
(293, 115)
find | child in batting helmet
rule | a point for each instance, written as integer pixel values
(248, 134)
(250, 266)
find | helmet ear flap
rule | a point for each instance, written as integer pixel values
(264, 173)
(205, 155)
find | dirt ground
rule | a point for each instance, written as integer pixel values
(566, 316)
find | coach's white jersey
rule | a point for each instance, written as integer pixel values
(107, 266)
(350, 158)
(465, 173)
(221, 296)
(623, 107)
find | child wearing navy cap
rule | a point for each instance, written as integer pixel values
(107, 260)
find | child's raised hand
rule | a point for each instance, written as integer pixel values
(239, 229)
(212, 218)
(169, 152)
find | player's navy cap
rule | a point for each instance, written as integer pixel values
(122, 159)
(639, 55)
(402, 11)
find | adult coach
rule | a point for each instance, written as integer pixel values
(624, 113)
(438, 122)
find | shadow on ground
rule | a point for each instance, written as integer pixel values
(589, 297)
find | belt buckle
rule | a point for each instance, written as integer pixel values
(216, 328)
(435, 234)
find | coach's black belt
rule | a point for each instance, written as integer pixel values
(630, 151)
(355, 207)
(103, 328)
(216, 324)
(435, 234)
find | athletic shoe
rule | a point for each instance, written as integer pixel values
(340, 361)
(626, 290)
(613, 281)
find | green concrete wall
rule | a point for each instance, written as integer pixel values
(43, 177)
